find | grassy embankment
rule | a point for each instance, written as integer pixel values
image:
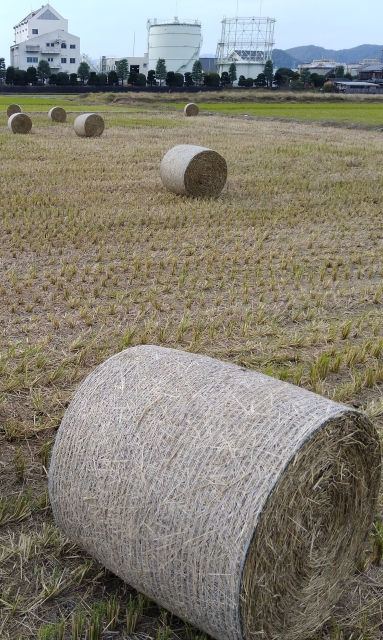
(283, 274)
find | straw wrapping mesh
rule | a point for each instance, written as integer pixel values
(237, 501)
(13, 108)
(20, 123)
(191, 109)
(89, 125)
(191, 170)
(57, 114)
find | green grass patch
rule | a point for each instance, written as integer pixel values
(365, 114)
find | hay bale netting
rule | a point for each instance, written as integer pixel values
(13, 108)
(57, 114)
(237, 501)
(191, 109)
(89, 125)
(194, 171)
(20, 123)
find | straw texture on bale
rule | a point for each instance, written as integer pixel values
(195, 171)
(89, 125)
(13, 108)
(57, 114)
(237, 501)
(20, 123)
(191, 109)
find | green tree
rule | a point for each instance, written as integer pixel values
(170, 79)
(188, 79)
(10, 75)
(225, 79)
(339, 71)
(317, 80)
(196, 72)
(122, 70)
(92, 80)
(179, 79)
(43, 70)
(62, 78)
(268, 70)
(132, 79)
(242, 81)
(285, 71)
(260, 80)
(2, 68)
(32, 75)
(233, 72)
(20, 77)
(211, 79)
(112, 77)
(305, 74)
(102, 79)
(249, 82)
(73, 78)
(161, 70)
(83, 71)
(53, 78)
(141, 80)
(151, 79)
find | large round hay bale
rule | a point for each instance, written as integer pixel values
(237, 501)
(57, 114)
(89, 125)
(20, 123)
(191, 109)
(191, 170)
(13, 108)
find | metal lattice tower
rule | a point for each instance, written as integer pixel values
(246, 40)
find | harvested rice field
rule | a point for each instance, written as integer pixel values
(282, 273)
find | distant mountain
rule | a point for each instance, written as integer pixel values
(283, 59)
(356, 54)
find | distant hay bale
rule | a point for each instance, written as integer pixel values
(235, 500)
(195, 171)
(89, 125)
(20, 123)
(57, 114)
(191, 109)
(13, 108)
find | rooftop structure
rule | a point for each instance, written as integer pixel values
(177, 41)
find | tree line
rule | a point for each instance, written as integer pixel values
(283, 77)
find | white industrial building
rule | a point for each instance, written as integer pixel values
(136, 63)
(246, 41)
(43, 35)
(177, 41)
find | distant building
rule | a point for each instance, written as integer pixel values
(209, 63)
(321, 67)
(43, 35)
(370, 71)
(136, 63)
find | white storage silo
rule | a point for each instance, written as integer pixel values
(178, 42)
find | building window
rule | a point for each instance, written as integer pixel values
(63, 60)
(35, 32)
(52, 44)
(73, 60)
(30, 59)
(63, 45)
(72, 46)
(47, 44)
(50, 59)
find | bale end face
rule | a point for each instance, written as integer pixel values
(194, 171)
(13, 108)
(89, 125)
(20, 123)
(57, 114)
(191, 109)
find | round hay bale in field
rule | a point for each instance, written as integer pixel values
(89, 125)
(194, 171)
(20, 123)
(57, 114)
(191, 109)
(237, 501)
(13, 108)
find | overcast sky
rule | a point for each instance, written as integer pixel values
(108, 28)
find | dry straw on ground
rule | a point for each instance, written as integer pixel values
(13, 108)
(89, 125)
(237, 501)
(191, 109)
(57, 114)
(20, 123)
(191, 170)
